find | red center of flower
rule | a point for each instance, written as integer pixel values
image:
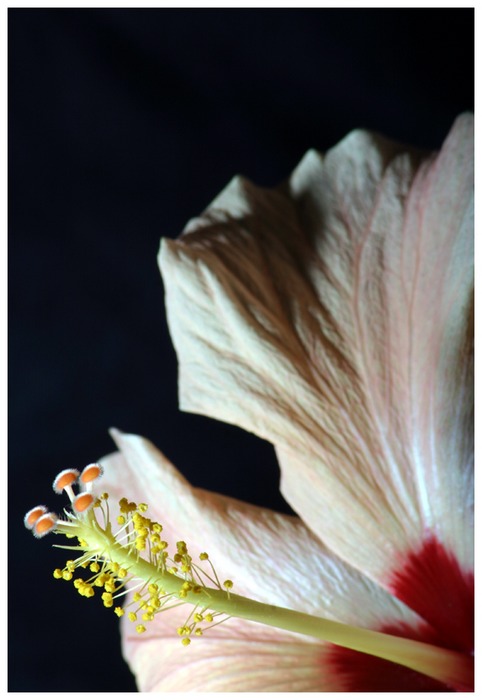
(431, 582)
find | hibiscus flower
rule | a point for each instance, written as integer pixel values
(331, 316)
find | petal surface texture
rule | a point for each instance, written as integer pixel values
(270, 557)
(332, 317)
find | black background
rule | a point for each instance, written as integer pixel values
(123, 124)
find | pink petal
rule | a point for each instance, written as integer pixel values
(331, 317)
(235, 656)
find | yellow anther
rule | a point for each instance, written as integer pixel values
(80, 588)
(186, 585)
(122, 573)
(123, 505)
(228, 584)
(142, 532)
(153, 588)
(87, 591)
(185, 568)
(107, 598)
(137, 597)
(147, 617)
(198, 632)
(58, 573)
(155, 603)
(155, 538)
(182, 593)
(186, 641)
(204, 556)
(142, 507)
(140, 629)
(181, 547)
(114, 567)
(163, 544)
(79, 582)
(119, 611)
(95, 567)
(67, 575)
(83, 543)
(208, 617)
(173, 570)
(126, 507)
(140, 543)
(110, 586)
(104, 496)
(198, 617)
(156, 527)
(121, 520)
(132, 617)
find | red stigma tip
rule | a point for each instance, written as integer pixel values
(67, 477)
(45, 524)
(91, 472)
(83, 502)
(33, 515)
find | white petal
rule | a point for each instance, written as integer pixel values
(329, 316)
(271, 557)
